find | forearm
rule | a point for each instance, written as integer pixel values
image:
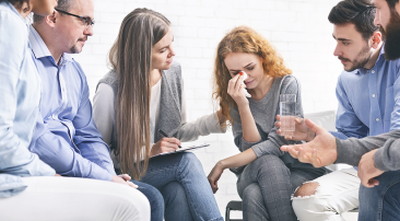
(88, 139)
(238, 160)
(203, 126)
(59, 154)
(271, 145)
(18, 160)
(387, 158)
(98, 153)
(249, 129)
(351, 150)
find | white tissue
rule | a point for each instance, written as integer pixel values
(244, 77)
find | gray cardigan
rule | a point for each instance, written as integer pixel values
(171, 118)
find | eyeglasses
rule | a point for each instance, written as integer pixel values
(85, 19)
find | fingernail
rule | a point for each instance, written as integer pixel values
(241, 73)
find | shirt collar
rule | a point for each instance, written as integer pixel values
(40, 49)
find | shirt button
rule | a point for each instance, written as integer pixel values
(373, 71)
(377, 119)
(373, 95)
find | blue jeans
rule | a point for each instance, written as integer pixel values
(266, 186)
(155, 198)
(180, 178)
(381, 203)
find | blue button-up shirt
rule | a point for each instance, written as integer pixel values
(19, 99)
(65, 136)
(369, 100)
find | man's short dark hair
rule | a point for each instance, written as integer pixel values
(361, 13)
(61, 4)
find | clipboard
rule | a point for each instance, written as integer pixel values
(183, 149)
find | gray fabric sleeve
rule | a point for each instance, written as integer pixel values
(270, 140)
(387, 158)
(205, 125)
(351, 150)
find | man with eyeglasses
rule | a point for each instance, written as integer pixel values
(65, 137)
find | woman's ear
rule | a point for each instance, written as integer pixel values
(376, 39)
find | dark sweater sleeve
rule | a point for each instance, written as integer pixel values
(387, 158)
(351, 150)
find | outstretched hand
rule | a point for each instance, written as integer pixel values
(301, 131)
(320, 151)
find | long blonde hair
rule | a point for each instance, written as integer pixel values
(130, 57)
(243, 40)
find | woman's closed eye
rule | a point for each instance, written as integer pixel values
(250, 68)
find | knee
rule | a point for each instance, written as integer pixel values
(190, 157)
(270, 165)
(133, 205)
(153, 195)
(252, 197)
(305, 203)
(307, 189)
(191, 161)
(173, 193)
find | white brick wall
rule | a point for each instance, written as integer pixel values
(299, 30)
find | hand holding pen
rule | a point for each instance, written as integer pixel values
(165, 144)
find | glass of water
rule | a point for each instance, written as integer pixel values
(288, 113)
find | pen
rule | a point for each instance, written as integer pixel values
(166, 135)
(163, 133)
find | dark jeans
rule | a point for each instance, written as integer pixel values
(381, 203)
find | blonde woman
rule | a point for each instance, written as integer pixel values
(140, 111)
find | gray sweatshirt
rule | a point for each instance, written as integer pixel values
(387, 158)
(264, 112)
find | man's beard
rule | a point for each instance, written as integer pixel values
(392, 37)
(360, 61)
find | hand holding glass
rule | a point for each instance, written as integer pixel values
(288, 114)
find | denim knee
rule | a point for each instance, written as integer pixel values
(190, 163)
(174, 195)
(172, 192)
(155, 198)
(190, 158)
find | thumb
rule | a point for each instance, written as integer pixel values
(313, 127)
